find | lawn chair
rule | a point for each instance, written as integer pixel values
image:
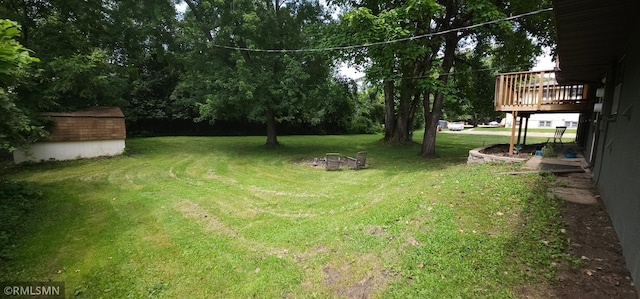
(558, 135)
(332, 161)
(358, 162)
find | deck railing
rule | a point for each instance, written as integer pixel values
(538, 91)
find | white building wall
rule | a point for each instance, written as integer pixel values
(69, 150)
(548, 120)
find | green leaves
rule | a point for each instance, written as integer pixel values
(85, 80)
(13, 55)
(16, 129)
(262, 87)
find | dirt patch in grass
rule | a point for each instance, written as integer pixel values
(362, 289)
(375, 230)
(411, 241)
(318, 163)
(209, 222)
(340, 279)
(601, 272)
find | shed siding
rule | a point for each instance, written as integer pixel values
(84, 134)
(87, 128)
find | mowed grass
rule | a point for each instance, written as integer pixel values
(225, 217)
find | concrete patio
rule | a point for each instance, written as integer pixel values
(573, 177)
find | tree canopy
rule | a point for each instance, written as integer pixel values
(438, 38)
(261, 86)
(247, 61)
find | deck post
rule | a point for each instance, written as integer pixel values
(513, 131)
(526, 128)
(520, 129)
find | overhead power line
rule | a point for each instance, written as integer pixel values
(338, 48)
(452, 73)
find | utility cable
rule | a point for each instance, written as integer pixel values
(386, 42)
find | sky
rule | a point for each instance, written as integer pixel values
(182, 6)
(544, 62)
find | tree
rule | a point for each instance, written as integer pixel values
(504, 35)
(17, 128)
(147, 43)
(262, 86)
(473, 83)
(100, 53)
(399, 68)
(417, 70)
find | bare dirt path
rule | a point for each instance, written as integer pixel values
(601, 272)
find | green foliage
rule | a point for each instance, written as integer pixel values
(269, 88)
(82, 81)
(97, 53)
(420, 70)
(369, 115)
(472, 87)
(17, 128)
(13, 56)
(549, 151)
(16, 202)
(157, 64)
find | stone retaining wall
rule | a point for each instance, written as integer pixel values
(476, 156)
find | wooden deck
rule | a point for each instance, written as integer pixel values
(538, 91)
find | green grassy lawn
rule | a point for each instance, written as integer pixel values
(202, 217)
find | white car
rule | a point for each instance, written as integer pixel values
(493, 124)
(456, 126)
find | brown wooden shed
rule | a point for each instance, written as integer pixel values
(95, 132)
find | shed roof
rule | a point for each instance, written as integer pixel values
(97, 112)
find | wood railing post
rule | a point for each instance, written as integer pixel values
(540, 94)
(498, 90)
(536, 91)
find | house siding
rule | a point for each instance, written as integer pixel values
(554, 119)
(616, 166)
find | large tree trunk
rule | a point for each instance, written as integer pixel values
(431, 123)
(428, 148)
(272, 136)
(414, 107)
(389, 110)
(401, 132)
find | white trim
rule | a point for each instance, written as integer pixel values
(70, 150)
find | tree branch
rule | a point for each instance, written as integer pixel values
(200, 19)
